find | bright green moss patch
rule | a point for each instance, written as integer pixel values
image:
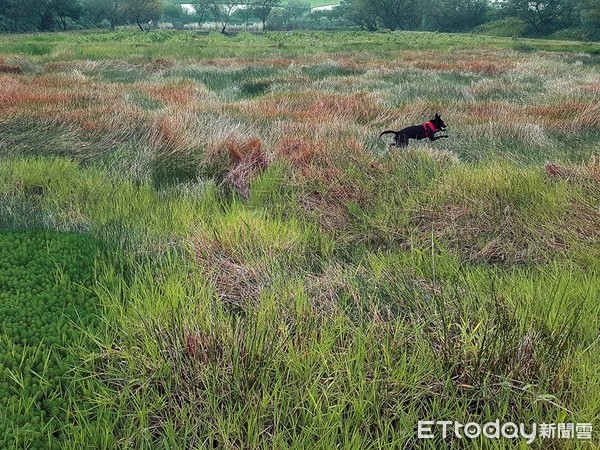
(46, 305)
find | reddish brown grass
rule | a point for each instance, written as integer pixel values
(167, 134)
(302, 152)
(310, 107)
(477, 62)
(247, 161)
(177, 94)
(591, 88)
(355, 107)
(585, 172)
(572, 115)
(479, 67)
(10, 69)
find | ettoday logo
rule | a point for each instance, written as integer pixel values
(427, 429)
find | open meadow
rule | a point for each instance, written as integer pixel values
(204, 244)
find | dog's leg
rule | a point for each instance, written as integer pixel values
(401, 141)
(435, 138)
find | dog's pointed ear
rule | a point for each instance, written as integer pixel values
(437, 116)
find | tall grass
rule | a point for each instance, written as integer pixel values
(271, 276)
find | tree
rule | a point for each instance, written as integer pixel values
(591, 18)
(329, 18)
(361, 12)
(263, 9)
(294, 11)
(392, 13)
(96, 11)
(334, 17)
(6, 19)
(42, 15)
(5, 22)
(114, 13)
(459, 15)
(202, 9)
(142, 11)
(542, 15)
(242, 15)
(174, 13)
(33, 13)
(65, 9)
(222, 10)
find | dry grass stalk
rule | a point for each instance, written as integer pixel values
(4, 68)
(237, 283)
(585, 172)
(247, 161)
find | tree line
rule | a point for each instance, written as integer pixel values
(561, 18)
(574, 18)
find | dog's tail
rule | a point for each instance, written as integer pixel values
(387, 132)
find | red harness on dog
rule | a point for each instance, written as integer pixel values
(429, 128)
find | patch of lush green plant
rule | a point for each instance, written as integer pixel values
(45, 306)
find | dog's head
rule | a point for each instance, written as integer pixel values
(438, 123)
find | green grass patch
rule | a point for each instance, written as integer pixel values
(129, 43)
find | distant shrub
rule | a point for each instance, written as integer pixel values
(160, 36)
(508, 27)
(245, 36)
(216, 37)
(571, 34)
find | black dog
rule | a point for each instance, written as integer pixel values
(423, 131)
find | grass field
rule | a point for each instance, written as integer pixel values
(265, 273)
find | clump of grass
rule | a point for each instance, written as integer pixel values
(173, 168)
(425, 332)
(247, 161)
(491, 221)
(4, 68)
(587, 173)
(253, 88)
